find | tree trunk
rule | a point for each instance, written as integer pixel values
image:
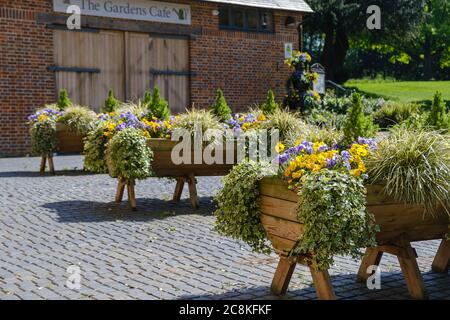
(428, 63)
(341, 47)
(327, 55)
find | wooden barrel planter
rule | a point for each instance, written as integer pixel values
(163, 166)
(399, 225)
(67, 142)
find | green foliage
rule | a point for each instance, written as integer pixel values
(393, 113)
(438, 118)
(159, 107)
(220, 107)
(148, 98)
(289, 124)
(414, 167)
(95, 148)
(128, 155)
(43, 137)
(271, 106)
(78, 119)
(332, 208)
(111, 103)
(63, 100)
(356, 124)
(238, 206)
(203, 119)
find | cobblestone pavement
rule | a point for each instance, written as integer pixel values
(164, 251)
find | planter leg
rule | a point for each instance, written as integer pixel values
(322, 283)
(131, 195)
(441, 262)
(120, 190)
(283, 275)
(411, 271)
(193, 191)
(372, 257)
(51, 167)
(178, 189)
(43, 161)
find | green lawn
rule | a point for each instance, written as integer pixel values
(402, 91)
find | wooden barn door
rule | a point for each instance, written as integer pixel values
(162, 62)
(88, 64)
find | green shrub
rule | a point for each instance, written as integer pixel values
(128, 155)
(43, 137)
(148, 98)
(414, 167)
(95, 148)
(392, 113)
(332, 208)
(63, 100)
(356, 124)
(238, 206)
(220, 107)
(159, 107)
(271, 106)
(78, 119)
(438, 118)
(204, 119)
(111, 103)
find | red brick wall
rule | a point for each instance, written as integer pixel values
(25, 52)
(244, 64)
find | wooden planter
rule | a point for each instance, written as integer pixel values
(163, 166)
(399, 225)
(67, 142)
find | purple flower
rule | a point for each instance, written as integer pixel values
(332, 162)
(346, 155)
(370, 142)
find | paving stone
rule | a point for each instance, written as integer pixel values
(163, 251)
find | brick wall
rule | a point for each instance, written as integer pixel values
(244, 64)
(25, 52)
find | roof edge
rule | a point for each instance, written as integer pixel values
(273, 7)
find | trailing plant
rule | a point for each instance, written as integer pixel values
(356, 124)
(271, 106)
(43, 130)
(438, 117)
(63, 100)
(414, 167)
(128, 156)
(159, 108)
(220, 107)
(332, 209)
(238, 205)
(95, 147)
(197, 118)
(78, 119)
(111, 103)
(392, 113)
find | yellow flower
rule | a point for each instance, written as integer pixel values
(262, 117)
(146, 134)
(279, 147)
(42, 117)
(112, 114)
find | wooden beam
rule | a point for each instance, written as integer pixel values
(283, 274)
(178, 189)
(372, 257)
(43, 161)
(441, 262)
(121, 24)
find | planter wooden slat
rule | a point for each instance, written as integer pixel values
(399, 225)
(69, 141)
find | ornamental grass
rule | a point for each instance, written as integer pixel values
(414, 167)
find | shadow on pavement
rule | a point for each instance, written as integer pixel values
(148, 209)
(31, 174)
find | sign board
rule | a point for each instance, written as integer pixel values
(319, 85)
(130, 9)
(288, 50)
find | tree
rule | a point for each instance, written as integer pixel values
(342, 21)
(438, 118)
(159, 107)
(220, 107)
(63, 100)
(148, 98)
(356, 124)
(111, 103)
(271, 106)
